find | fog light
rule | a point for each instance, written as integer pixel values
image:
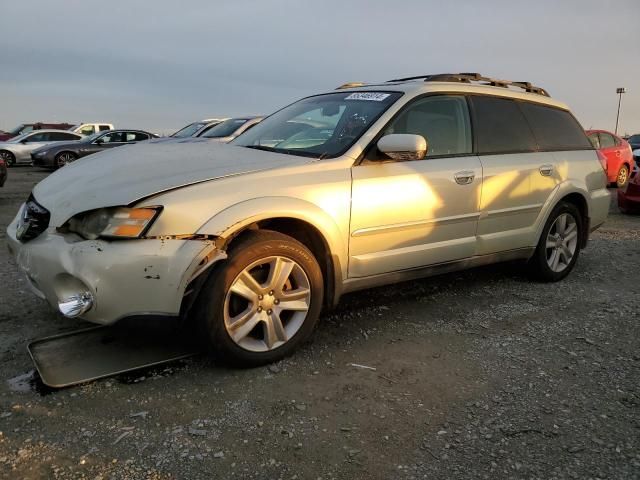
(76, 305)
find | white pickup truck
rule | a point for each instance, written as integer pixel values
(91, 128)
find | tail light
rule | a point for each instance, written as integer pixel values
(603, 160)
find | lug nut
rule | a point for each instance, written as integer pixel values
(260, 297)
(276, 301)
(271, 292)
(269, 312)
(259, 309)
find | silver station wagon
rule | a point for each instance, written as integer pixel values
(362, 186)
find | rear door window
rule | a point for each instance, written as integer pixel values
(594, 138)
(555, 129)
(104, 128)
(500, 126)
(37, 137)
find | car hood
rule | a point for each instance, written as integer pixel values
(127, 174)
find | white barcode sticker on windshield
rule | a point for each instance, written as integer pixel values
(372, 96)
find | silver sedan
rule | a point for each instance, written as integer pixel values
(18, 150)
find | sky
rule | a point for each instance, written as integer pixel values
(158, 65)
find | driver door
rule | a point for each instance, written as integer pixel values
(408, 214)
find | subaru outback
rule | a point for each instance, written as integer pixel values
(365, 185)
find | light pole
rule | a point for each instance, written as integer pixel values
(619, 91)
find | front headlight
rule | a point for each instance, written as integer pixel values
(41, 153)
(115, 222)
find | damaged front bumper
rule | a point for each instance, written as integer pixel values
(104, 281)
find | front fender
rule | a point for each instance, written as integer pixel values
(236, 217)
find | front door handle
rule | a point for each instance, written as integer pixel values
(465, 177)
(546, 170)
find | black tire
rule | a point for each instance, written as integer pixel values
(622, 178)
(210, 305)
(9, 158)
(59, 162)
(538, 265)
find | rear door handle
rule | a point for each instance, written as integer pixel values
(465, 177)
(546, 170)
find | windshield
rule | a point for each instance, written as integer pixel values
(90, 138)
(189, 130)
(19, 129)
(225, 128)
(321, 126)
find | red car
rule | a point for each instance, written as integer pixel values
(617, 151)
(629, 196)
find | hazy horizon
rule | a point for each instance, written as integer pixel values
(159, 65)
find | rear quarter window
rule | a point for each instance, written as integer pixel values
(555, 129)
(500, 126)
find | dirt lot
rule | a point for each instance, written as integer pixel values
(481, 374)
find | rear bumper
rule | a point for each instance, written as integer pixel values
(124, 278)
(629, 200)
(599, 202)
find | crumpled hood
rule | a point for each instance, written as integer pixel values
(127, 174)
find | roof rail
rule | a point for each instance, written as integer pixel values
(475, 77)
(351, 85)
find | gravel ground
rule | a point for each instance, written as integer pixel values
(480, 374)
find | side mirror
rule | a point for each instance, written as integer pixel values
(403, 146)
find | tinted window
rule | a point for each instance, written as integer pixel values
(555, 129)
(102, 128)
(115, 137)
(594, 138)
(500, 126)
(607, 140)
(189, 130)
(88, 130)
(37, 137)
(442, 120)
(60, 136)
(136, 136)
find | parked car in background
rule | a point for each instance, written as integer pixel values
(249, 242)
(629, 195)
(87, 129)
(28, 127)
(18, 150)
(195, 128)
(3, 172)
(229, 129)
(634, 141)
(58, 155)
(617, 152)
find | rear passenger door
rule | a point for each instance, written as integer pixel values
(517, 178)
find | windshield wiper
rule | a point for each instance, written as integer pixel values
(262, 147)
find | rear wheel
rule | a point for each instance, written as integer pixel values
(623, 176)
(559, 244)
(63, 158)
(8, 157)
(263, 302)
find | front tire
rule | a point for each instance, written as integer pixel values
(63, 158)
(559, 245)
(8, 157)
(263, 302)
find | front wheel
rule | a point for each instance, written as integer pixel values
(623, 176)
(8, 157)
(63, 158)
(559, 244)
(263, 302)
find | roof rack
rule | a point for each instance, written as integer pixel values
(475, 77)
(351, 85)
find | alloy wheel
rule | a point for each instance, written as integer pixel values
(65, 158)
(623, 176)
(7, 157)
(267, 304)
(562, 242)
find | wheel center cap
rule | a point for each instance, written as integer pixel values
(267, 302)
